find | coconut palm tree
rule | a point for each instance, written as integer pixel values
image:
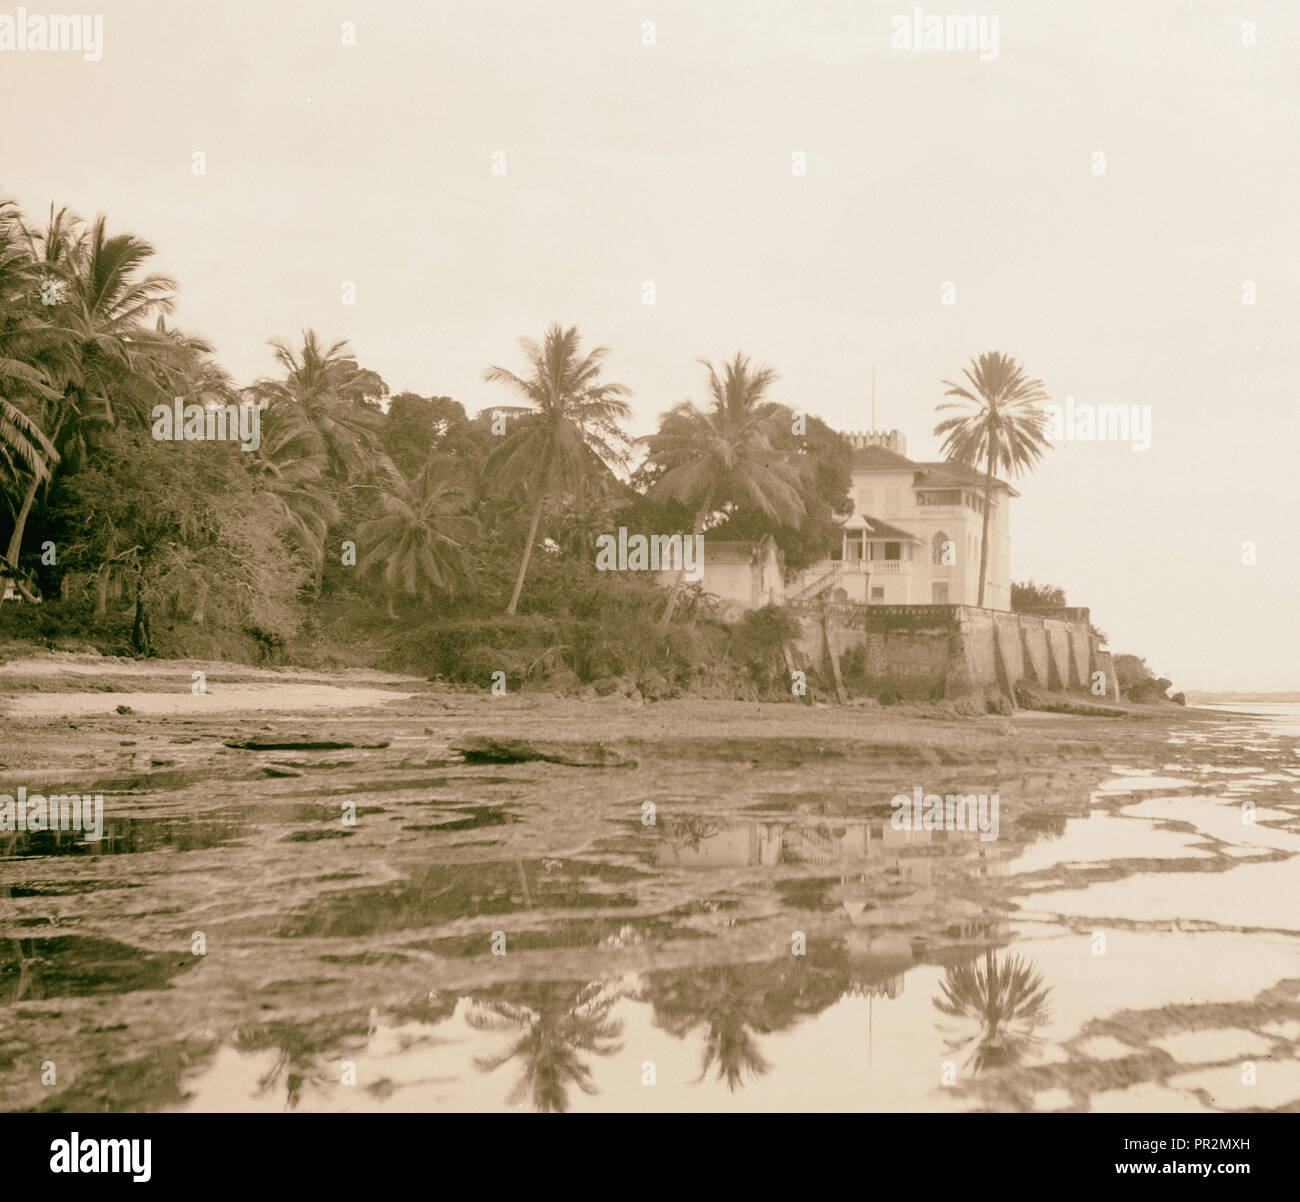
(724, 454)
(106, 358)
(24, 448)
(569, 432)
(319, 402)
(27, 345)
(1000, 426)
(1007, 999)
(292, 481)
(419, 539)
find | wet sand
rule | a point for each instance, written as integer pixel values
(350, 966)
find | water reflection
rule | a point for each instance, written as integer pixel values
(1007, 1001)
(444, 892)
(557, 1023)
(835, 1029)
(298, 1049)
(696, 842)
(76, 966)
(126, 836)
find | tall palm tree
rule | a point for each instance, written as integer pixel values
(319, 402)
(723, 454)
(292, 482)
(569, 433)
(562, 1020)
(419, 539)
(1000, 426)
(28, 347)
(107, 360)
(1007, 999)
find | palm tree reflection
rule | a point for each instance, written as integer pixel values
(737, 1003)
(1006, 998)
(729, 1041)
(558, 1021)
(299, 1049)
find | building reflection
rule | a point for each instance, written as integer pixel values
(837, 842)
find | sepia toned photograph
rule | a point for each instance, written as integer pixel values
(649, 558)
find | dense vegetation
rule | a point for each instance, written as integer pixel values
(345, 526)
(361, 528)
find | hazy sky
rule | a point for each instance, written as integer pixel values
(672, 163)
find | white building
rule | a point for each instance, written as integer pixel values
(914, 535)
(742, 575)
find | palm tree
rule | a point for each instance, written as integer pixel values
(569, 433)
(27, 343)
(562, 1021)
(1000, 426)
(724, 454)
(319, 402)
(106, 357)
(1007, 999)
(292, 483)
(420, 537)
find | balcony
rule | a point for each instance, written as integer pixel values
(861, 567)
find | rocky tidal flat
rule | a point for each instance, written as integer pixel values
(408, 897)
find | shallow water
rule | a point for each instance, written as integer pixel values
(499, 942)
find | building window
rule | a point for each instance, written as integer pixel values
(853, 544)
(893, 550)
(877, 592)
(939, 592)
(940, 542)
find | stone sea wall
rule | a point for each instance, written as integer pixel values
(933, 652)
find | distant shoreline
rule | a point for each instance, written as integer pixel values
(1196, 698)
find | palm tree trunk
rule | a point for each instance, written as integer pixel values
(984, 534)
(101, 588)
(661, 627)
(20, 522)
(528, 546)
(140, 630)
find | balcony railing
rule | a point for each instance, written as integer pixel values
(861, 567)
(845, 567)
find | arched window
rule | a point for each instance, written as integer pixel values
(941, 540)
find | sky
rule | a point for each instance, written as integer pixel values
(793, 182)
